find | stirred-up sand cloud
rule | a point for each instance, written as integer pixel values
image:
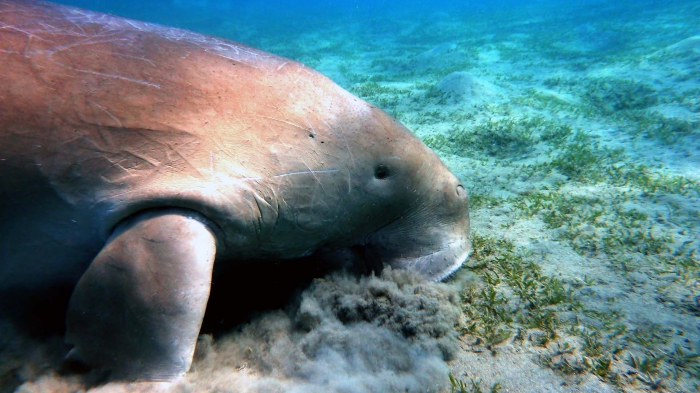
(391, 333)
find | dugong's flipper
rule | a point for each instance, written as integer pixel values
(138, 308)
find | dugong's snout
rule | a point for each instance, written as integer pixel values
(432, 237)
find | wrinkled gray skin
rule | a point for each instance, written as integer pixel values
(132, 156)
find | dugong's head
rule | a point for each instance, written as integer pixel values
(351, 182)
(414, 209)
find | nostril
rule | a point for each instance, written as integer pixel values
(461, 192)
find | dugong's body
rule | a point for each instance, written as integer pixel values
(132, 156)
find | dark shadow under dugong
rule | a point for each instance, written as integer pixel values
(134, 156)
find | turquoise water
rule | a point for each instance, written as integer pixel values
(575, 126)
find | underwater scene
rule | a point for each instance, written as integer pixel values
(574, 127)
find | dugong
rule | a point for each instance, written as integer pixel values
(135, 156)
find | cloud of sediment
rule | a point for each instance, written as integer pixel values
(392, 333)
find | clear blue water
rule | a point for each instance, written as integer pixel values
(606, 27)
(284, 20)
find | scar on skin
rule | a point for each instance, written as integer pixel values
(308, 172)
(119, 123)
(98, 39)
(286, 122)
(139, 81)
(130, 57)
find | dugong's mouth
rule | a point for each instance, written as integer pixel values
(437, 265)
(434, 265)
(430, 237)
(434, 253)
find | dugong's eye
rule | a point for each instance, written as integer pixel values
(381, 172)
